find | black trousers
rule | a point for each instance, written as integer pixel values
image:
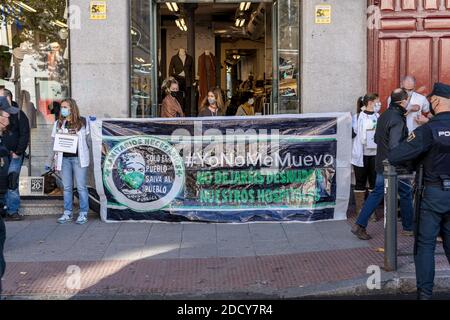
(2, 257)
(366, 174)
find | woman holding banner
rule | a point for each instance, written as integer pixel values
(71, 157)
(364, 147)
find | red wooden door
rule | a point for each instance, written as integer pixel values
(408, 37)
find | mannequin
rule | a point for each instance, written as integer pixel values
(206, 73)
(182, 69)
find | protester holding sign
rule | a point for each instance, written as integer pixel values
(71, 157)
(364, 146)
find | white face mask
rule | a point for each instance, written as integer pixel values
(377, 107)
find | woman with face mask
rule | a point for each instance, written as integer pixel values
(171, 105)
(72, 164)
(248, 106)
(364, 147)
(212, 105)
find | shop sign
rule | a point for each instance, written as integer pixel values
(98, 10)
(323, 14)
(270, 168)
(31, 186)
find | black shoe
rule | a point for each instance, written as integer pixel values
(422, 296)
(14, 217)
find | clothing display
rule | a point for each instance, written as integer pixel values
(207, 74)
(182, 69)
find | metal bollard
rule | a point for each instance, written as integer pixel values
(390, 217)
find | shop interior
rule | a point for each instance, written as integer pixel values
(209, 45)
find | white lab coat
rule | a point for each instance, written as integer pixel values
(83, 149)
(363, 123)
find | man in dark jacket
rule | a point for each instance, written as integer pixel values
(391, 131)
(5, 113)
(15, 138)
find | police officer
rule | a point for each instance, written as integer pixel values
(5, 111)
(429, 145)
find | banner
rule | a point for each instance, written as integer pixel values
(230, 169)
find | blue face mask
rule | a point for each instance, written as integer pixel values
(65, 112)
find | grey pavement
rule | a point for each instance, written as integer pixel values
(41, 239)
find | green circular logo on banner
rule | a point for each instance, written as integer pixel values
(144, 173)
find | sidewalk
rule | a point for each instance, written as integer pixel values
(200, 261)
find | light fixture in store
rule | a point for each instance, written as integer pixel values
(244, 6)
(181, 24)
(239, 22)
(172, 6)
(25, 6)
(236, 57)
(133, 33)
(139, 59)
(59, 24)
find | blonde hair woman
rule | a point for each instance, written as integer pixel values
(171, 107)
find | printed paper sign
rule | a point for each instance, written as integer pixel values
(67, 143)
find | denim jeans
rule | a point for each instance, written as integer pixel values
(70, 168)
(376, 196)
(12, 197)
(432, 223)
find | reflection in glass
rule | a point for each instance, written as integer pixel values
(34, 65)
(288, 52)
(141, 66)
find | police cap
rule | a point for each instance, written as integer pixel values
(441, 90)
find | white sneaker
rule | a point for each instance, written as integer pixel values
(65, 218)
(82, 218)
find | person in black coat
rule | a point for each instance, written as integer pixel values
(15, 138)
(6, 111)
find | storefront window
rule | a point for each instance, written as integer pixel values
(243, 48)
(141, 66)
(34, 66)
(289, 56)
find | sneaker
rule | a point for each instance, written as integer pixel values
(14, 217)
(407, 233)
(361, 232)
(82, 219)
(65, 218)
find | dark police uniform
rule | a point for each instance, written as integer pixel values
(4, 165)
(430, 146)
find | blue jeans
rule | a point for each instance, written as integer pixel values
(12, 197)
(376, 196)
(71, 167)
(432, 223)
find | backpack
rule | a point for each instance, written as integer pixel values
(49, 182)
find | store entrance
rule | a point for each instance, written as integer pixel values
(246, 49)
(224, 45)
